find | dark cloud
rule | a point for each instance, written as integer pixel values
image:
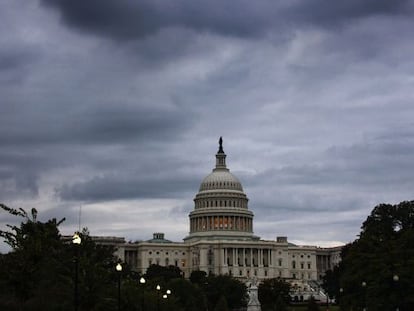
(313, 98)
(125, 20)
(114, 187)
(93, 123)
(120, 187)
(325, 12)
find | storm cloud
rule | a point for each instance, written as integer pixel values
(127, 20)
(117, 106)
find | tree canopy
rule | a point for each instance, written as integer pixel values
(274, 294)
(377, 269)
(39, 274)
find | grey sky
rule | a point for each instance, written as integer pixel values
(117, 106)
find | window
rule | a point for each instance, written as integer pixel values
(265, 272)
(294, 264)
(301, 265)
(280, 262)
(309, 265)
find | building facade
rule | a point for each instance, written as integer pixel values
(221, 239)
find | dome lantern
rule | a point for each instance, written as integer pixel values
(220, 157)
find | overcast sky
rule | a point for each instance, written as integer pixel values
(117, 107)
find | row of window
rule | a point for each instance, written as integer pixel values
(221, 222)
(302, 265)
(157, 261)
(246, 262)
(217, 184)
(166, 253)
(221, 203)
(301, 256)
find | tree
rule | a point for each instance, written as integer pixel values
(187, 295)
(272, 290)
(32, 274)
(331, 282)
(385, 249)
(221, 304)
(198, 277)
(164, 273)
(235, 291)
(98, 277)
(38, 273)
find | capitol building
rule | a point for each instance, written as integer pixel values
(221, 239)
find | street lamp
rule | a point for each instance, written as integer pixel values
(364, 285)
(119, 270)
(76, 240)
(142, 281)
(327, 301)
(158, 288)
(396, 278)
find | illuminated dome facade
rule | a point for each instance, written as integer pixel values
(221, 206)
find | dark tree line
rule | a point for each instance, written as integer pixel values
(377, 269)
(39, 274)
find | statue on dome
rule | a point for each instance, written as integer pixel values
(221, 145)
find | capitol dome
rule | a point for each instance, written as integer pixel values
(221, 179)
(221, 206)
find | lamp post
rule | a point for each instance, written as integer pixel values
(142, 281)
(396, 278)
(327, 301)
(76, 240)
(364, 285)
(165, 296)
(119, 270)
(158, 288)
